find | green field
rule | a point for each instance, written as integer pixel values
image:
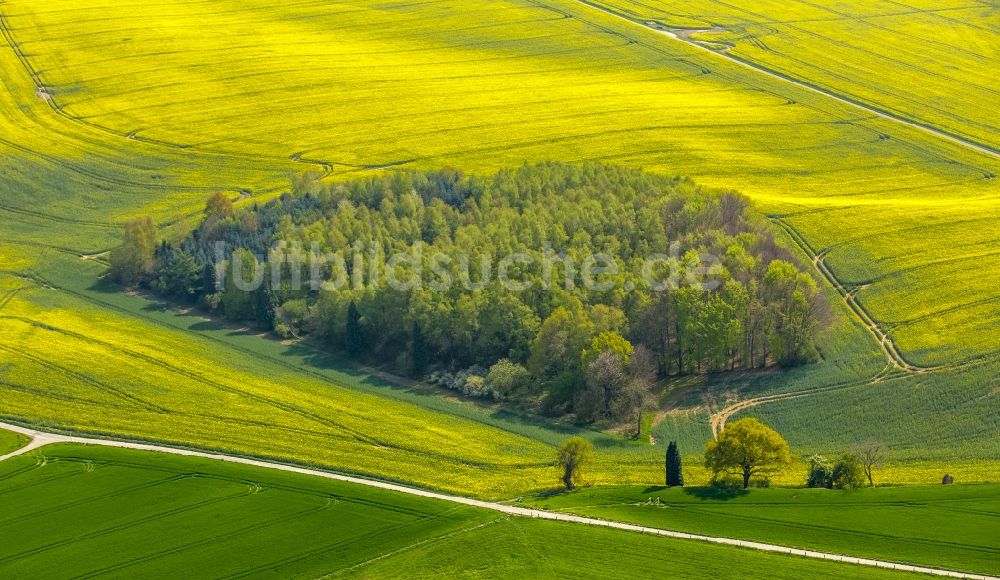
(11, 441)
(110, 111)
(89, 511)
(527, 551)
(955, 527)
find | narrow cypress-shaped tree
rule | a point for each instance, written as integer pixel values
(264, 306)
(354, 338)
(209, 280)
(675, 476)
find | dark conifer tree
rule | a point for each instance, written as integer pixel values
(675, 476)
(209, 283)
(264, 307)
(354, 337)
(418, 352)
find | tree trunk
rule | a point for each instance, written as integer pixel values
(746, 478)
(680, 351)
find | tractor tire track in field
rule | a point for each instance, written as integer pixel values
(663, 29)
(859, 534)
(342, 430)
(187, 474)
(59, 219)
(7, 297)
(717, 421)
(425, 542)
(37, 279)
(86, 379)
(93, 498)
(885, 341)
(258, 527)
(897, 363)
(845, 44)
(120, 527)
(898, 367)
(256, 571)
(40, 438)
(262, 399)
(41, 89)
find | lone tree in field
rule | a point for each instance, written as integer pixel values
(574, 456)
(747, 447)
(675, 477)
(870, 454)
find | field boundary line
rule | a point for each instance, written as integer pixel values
(41, 438)
(660, 28)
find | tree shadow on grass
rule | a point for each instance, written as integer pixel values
(345, 369)
(716, 493)
(105, 286)
(553, 492)
(311, 357)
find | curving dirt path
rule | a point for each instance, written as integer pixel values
(41, 438)
(895, 359)
(718, 420)
(882, 337)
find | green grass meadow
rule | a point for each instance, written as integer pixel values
(955, 527)
(69, 511)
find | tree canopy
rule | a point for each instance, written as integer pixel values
(574, 456)
(132, 262)
(747, 448)
(693, 277)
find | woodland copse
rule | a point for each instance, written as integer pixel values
(691, 281)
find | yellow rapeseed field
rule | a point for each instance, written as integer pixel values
(111, 110)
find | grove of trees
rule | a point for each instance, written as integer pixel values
(850, 470)
(565, 347)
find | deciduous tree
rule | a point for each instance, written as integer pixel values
(848, 472)
(574, 457)
(608, 341)
(508, 380)
(605, 378)
(219, 206)
(871, 455)
(133, 260)
(747, 448)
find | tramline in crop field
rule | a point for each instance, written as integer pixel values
(111, 112)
